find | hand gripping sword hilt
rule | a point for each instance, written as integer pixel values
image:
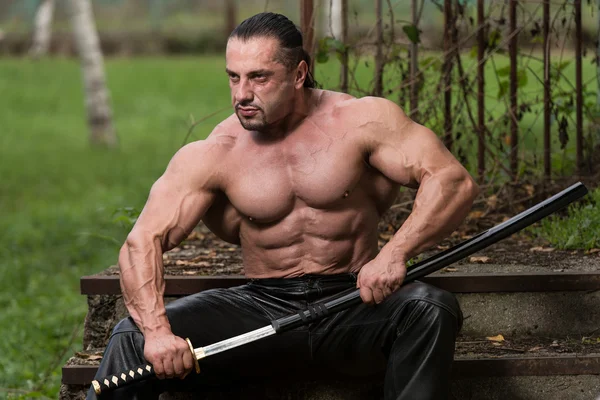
(135, 374)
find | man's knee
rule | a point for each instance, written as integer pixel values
(125, 325)
(438, 303)
(125, 338)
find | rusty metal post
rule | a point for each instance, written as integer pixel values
(307, 25)
(514, 127)
(447, 72)
(378, 89)
(547, 98)
(230, 16)
(414, 65)
(481, 45)
(344, 68)
(578, 88)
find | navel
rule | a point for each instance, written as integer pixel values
(346, 194)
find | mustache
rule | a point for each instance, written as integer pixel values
(238, 105)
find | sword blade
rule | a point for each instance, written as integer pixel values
(236, 341)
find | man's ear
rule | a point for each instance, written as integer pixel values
(301, 72)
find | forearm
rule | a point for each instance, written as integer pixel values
(143, 285)
(441, 204)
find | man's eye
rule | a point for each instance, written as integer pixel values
(260, 78)
(233, 78)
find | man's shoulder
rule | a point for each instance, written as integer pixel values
(365, 114)
(345, 105)
(367, 105)
(216, 145)
(226, 130)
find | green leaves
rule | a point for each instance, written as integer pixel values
(412, 32)
(494, 40)
(563, 135)
(126, 217)
(522, 80)
(327, 45)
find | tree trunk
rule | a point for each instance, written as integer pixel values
(598, 78)
(379, 61)
(334, 21)
(595, 154)
(99, 114)
(42, 29)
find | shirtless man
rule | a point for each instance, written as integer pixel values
(299, 177)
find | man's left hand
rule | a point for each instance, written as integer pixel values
(380, 277)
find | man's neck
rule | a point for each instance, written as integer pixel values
(300, 109)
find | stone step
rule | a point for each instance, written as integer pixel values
(515, 303)
(547, 371)
(568, 387)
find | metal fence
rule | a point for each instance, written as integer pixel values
(501, 67)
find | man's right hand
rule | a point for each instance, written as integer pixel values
(169, 355)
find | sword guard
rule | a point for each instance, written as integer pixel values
(196, 365)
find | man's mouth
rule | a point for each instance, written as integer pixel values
(248, 111)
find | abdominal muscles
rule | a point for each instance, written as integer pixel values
(311, 241)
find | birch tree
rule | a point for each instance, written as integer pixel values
(42, 29)
(337, 19)
(334, 18)
(99, 114)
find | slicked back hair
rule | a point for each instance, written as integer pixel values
(272, 25)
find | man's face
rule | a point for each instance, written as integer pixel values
(262, 89)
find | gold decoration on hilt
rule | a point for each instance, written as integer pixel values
(114, 381)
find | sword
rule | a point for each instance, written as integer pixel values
(351, 297)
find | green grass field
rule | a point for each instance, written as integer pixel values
(58, 196)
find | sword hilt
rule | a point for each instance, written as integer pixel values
(135, 374)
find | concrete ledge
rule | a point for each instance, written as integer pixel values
(546, 314)
(582, 387)
(462, 368)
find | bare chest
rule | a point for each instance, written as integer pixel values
(265, 181)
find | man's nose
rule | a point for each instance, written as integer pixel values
(244, 92)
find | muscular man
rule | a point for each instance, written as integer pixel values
(299, 177)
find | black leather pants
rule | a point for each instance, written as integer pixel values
(409, 338)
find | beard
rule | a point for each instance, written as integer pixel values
(257, 122)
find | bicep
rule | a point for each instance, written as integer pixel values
(177, 200)
(171, 212)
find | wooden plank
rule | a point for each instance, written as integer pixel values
(177, 285)
(174, 284)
